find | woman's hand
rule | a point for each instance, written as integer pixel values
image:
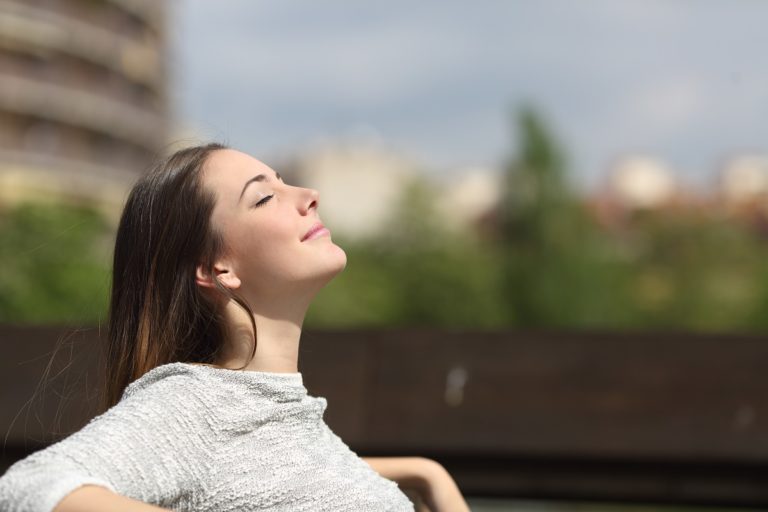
(426, 477)
(441, 493)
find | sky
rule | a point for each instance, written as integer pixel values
(439, 81)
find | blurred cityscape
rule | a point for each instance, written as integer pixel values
(85, 108)
(84, 100)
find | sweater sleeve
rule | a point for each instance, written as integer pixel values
(151, 446)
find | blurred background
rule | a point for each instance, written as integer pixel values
(582, 182)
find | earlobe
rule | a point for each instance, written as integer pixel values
(228, 279)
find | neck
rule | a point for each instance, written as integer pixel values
(277, 340)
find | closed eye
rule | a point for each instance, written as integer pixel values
(264, 200)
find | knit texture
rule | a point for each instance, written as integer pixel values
(198, 438)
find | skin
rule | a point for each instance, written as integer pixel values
(266, 261)
(93, 498)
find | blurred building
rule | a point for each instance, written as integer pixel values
(639, 182)
(469, 198)
(360, 184)
(744, 179)
(742, 190)
(363, 183)
(83, 99)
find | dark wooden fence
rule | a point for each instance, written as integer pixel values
(668, 418)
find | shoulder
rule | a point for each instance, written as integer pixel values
(161, 397)
(171, 377)
(153, 445)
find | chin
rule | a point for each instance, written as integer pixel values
(334, 261)
(339, 263)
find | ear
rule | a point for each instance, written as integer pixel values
(221, 272)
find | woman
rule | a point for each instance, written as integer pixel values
(216, 262)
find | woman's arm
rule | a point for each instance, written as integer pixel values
(92, 498)
(133, 449)
(426, 476)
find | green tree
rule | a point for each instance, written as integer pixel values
(696, 271)
(559, 270)
(54, 264)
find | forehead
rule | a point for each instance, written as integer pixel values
(227, 170)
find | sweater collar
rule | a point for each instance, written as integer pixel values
(278, 387)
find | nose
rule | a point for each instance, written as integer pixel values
(309, 200)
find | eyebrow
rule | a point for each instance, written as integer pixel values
(259, 178)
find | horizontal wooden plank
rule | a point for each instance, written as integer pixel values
(644, 416)
(681, 397)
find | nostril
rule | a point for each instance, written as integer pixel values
(314, 199)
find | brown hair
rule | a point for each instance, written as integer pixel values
(157, 312)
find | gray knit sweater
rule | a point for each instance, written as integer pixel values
(199, 438)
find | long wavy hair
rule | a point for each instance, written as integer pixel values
(157, 312)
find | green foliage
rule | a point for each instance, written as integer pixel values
(696, 272)
(551, 265)
(54, 264)
(418, 273)
(558, 270)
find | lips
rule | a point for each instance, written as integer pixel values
(315, 231)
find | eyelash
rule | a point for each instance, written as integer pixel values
(263, 201)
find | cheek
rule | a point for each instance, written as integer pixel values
(265, 252)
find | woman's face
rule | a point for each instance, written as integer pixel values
(274, 240)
